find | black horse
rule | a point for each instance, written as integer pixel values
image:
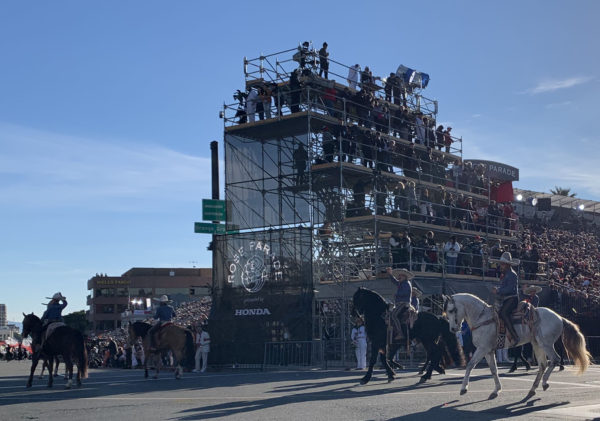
(433, 332)
(64, 341)
(441, 345)
(373, 307)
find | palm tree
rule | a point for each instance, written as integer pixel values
(560, 191)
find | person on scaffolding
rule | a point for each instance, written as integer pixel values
(402, 298)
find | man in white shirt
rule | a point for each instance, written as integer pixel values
(359, 340)
(353, 76)
(452, 248)
(202, 348)
(251, 102)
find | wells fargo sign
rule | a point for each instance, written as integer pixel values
(113, 282)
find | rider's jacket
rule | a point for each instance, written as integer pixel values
(53, 312)
(404, 291)
(164, 313)
(510, 284)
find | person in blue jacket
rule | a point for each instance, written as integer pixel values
(54, 309)
(164, 313)
(403, 296)
(508, 291)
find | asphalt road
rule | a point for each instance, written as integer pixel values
(113, 394)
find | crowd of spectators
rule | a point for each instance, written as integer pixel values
(13, 353)
(378, 128)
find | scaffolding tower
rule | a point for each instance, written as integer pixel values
(317, 187)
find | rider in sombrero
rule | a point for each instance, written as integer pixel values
(402, 298)
(508, 291)
(164, 314)
(531, 295)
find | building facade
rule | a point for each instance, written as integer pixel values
(3, 321)
(110, 296)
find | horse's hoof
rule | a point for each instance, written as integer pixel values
(562, 367)
(422, 379)
(545, 386)
(512, 370)
(390, 379)
(463, 391)
(530, 395)
(364, 381)
(494, 395)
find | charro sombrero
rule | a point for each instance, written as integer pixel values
(532, 289)
(57, 296)
(417, 292)
(163, 299)
(506, 258)
(402, 272)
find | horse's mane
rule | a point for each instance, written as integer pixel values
(467, 295)
(374, 300)
(140, 328)
(33, 316)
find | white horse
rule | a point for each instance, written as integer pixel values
(483, 324)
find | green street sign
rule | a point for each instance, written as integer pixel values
(208, 228)
(214, 210)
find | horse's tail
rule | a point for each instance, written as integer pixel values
(82, 355)
(190, 353)
(452, 351)
(574, 343)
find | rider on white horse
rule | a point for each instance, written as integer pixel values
(508, 292)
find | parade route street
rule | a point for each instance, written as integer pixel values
(333, 394)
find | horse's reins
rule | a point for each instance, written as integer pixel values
(486, 322)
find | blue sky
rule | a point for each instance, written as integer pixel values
(107, 110)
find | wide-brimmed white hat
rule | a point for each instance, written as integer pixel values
(417, 292)
(532, 289)
(402, 272)
(506, 258)
(57, 296)
(162, 299)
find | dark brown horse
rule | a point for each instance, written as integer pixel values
(64, 341)
(172, 338)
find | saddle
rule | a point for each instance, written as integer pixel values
(51, 327)
(409, 316)
(524, 313)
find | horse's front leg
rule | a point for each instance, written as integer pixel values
(388, 369)
(34, 362)
(491, 360)
(433, 360)
(372, 361)
(477, 356)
